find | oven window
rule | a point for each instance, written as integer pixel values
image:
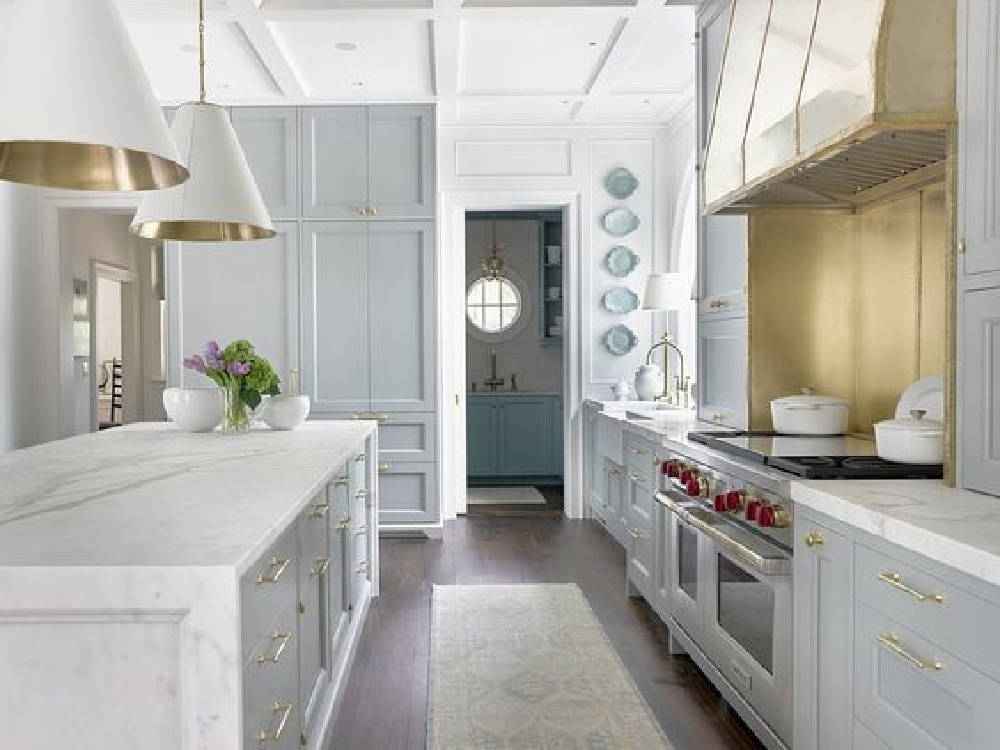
(746, 611)
(687, 560)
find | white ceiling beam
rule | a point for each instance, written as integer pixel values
(268, 50)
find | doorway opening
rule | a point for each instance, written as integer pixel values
(514, 323)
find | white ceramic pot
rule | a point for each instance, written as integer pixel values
(622, 390)
(910, 440)
(285, 412)
(648, 382)
(195, 409)
(809, 415)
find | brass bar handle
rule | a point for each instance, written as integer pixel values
(279, 639)
(284, 710)
(716, 417)
(891, 642)
(896, 581)
(322, 565)
(384, 468)
(343, 524)
(371, 416)
(718, 304)
(361, 494)
(319, 511)
(814, 539)
(340, 482)
(277, 567)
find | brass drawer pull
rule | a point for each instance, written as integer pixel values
(384, 468)
(371, 416)
(361, 494)
(716, 417)
(814, 539)
(341, 482)
(363, 529)
(717, 304)
(277, 567)
(891, 642)
(279, 640)
(284, 710)
(322, 565)
(372, 211)
(361, 458)
(363, 567)
(343, 524)
(319, 511)
(896, 581)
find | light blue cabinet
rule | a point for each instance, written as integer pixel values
(980, 391)
(722, 371)
(270, 137)
(372, 162)
(513, 436)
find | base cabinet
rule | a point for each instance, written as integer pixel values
(513, 437)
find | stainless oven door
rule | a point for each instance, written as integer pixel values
(685, 588)
(744, 609)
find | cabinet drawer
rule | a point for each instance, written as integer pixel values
(638, 458)
(267, 590)
(964, 624)
(608, 437)
(914, 694)
(276, 713)
(273, 660)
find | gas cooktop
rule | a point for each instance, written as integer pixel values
(819, 457)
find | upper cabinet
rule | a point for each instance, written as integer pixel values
(269, 137)
(368, 162)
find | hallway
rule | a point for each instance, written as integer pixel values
(386, 699)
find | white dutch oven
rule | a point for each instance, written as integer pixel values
(910, 440)
(809, 415)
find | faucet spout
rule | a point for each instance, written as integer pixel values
(492, 382)
(667, 344)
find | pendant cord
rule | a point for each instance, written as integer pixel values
(201, 51)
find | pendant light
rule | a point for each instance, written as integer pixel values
(494, 267)
(77, 109)
(220, 202)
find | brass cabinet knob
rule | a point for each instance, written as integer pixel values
(814, 539)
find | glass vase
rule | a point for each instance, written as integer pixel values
(237, 416)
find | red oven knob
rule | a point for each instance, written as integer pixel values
(734, 500)
(765, 517)
(692, 488)
(752, 509)
(671, 469)
(685, 476)
(720, 503)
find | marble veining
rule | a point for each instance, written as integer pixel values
(152, 494)
(957, 528)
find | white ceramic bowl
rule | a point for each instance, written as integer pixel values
(285, 412)
(194, 409)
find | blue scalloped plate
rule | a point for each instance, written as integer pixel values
(620, 340)
(620, 183)
(620, 300)
(621, 261)
(619, 221)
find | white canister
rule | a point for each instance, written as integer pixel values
(648, 382)
(910, 440)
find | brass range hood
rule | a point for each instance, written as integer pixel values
(830, 104)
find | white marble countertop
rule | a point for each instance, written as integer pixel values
(154, 495)
(958, 528)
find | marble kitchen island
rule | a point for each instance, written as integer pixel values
(162, 589)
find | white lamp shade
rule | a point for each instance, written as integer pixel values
(664, 291)
(220, 202)
(77, 109)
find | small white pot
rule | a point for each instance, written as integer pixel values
(195, 409)
(285, 412)
(910, 440)
(648, 382)
(809, 415)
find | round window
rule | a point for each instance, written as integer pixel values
(493, 305)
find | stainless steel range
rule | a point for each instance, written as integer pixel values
(730, 573)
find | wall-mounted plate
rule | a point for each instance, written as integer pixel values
(620, 183)
(621, 261)
(620, 340)
(620, 300)
(619, 221)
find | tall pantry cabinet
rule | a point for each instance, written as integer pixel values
(353, 191)
(979, 246)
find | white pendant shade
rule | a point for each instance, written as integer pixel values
(76, 108)
(220, 202)
(664, 291)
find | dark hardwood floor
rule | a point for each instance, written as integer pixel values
(385, 707)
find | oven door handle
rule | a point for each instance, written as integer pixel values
(760, 556)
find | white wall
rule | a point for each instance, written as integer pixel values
(538, 368)
(6, 320)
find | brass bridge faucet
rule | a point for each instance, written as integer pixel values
(681, 379)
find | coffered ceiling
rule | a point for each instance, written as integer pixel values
(485, 61)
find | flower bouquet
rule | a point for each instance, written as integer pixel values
(245, 376)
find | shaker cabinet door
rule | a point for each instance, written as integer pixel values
(401, 304)
(481, 436)
(408, 494)
(401, 181)
(722, 371)
(524, 432)
(980, 391)
(335, 334)
(335, 162)
(269, 137)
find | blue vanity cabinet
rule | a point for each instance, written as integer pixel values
(514, 436)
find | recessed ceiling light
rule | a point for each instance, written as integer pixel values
(346, 46)
(593, 44)
(647, 101)
(357, 83)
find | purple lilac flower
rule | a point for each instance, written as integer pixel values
(195, 363)
(213, 356)
(238, 369)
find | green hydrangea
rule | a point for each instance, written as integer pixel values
(240, 350)
(261, 374)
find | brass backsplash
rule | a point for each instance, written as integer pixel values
(852, 304)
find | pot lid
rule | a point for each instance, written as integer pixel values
(809, 399)
(916, 422)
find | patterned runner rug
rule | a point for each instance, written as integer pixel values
(529, 667)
